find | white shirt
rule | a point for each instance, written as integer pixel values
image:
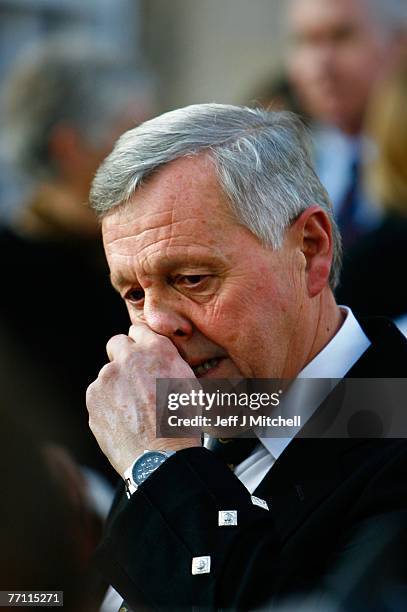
(333, 362)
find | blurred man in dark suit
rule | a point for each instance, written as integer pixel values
(340, 51)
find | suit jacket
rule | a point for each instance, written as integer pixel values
(377, 261)
(321, 493)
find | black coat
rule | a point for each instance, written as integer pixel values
(373, 271)
(322, 495)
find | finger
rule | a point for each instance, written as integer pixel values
(141, 334)
(119, 346)
(135, 330)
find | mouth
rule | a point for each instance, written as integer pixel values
(207, 366)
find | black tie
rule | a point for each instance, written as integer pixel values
(347, 221)
(232, 450)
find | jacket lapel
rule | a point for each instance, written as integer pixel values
(310, 470)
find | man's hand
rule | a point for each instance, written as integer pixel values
(122, 400)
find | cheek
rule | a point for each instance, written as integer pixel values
(219, 322)
(360, 64)
(240, 323)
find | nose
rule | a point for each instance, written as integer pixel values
(325, 56)
(166, 318)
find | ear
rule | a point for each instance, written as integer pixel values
(313, 231)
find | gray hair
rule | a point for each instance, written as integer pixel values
(262, 159)
(72, 80)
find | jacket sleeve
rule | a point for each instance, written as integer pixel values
(152, 539)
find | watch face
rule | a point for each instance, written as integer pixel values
(146, 465)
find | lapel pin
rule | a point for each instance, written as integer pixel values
(227, 518)
(201, 565)
(256, 501)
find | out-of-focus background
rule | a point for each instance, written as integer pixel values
(74, 74)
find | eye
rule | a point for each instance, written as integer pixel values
(135, 296)
(196, 286)
(191, 280)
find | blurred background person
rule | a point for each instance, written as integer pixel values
(68, 98)
(276, 93)
(24, 22)
(48, 527)
(373, 268)
(340, 49)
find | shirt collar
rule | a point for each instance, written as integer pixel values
(333, 362)
(341, 353)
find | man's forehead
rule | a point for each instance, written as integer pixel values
(182, 191)
(184, 174)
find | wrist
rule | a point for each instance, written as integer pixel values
(142, 467)
(173, 444)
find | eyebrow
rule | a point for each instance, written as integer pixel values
(118, 282)
(177, 261)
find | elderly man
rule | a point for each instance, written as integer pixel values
(220, 239)
(340, 51)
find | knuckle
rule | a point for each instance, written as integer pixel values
(116, 342)
(154, 341)
(137, 332)
(146, 337)
(108, 372)
(90, 393)
(162, 343)
(92, 397)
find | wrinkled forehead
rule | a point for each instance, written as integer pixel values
(180, 210)
(184, 190)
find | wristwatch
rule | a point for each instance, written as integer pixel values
(142, 468)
